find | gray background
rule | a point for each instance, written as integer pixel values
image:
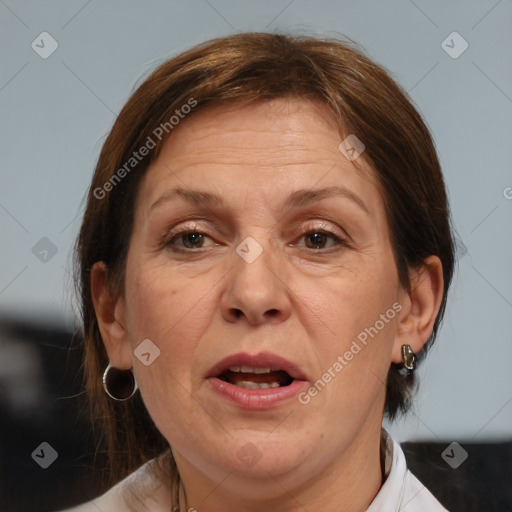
(55, 113)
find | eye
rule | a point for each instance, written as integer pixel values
(192, 240)
(186, 241)
(317, 238)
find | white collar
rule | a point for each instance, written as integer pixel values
(401, 491)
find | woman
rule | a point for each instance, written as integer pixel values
(264, 258)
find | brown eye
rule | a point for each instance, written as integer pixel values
(191, 239)
(317, 239)
(186, 241)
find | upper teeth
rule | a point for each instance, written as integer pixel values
(248, 369)
(255, 385)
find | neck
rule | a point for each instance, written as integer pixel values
(351, 478)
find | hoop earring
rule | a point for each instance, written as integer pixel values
(120, 385)
(409, 358)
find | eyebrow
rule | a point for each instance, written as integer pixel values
(295, 199)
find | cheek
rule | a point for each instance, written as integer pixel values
(355, 361)
(166, 307)
(349, 303)
(174, 314)
(358, 317)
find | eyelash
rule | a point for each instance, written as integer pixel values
(169, 238)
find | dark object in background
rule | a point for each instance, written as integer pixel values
(41, 401)
(482, 483)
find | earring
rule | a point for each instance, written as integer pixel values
(408, 357)
(119, 385)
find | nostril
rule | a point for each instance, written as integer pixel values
(237, 313)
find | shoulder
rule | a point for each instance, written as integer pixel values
(417, 498)
(118, 497)
(111, 501)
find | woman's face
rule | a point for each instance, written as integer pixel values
(287, 265)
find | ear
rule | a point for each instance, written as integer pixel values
(110, 314)
(420, 307)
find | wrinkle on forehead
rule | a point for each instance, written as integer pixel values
(285, 124)
(298, 137)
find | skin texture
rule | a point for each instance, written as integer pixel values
(304, 302)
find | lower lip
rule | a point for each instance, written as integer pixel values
(257, 399)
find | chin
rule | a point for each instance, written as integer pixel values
(259, 456)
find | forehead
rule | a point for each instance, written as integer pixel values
(267, 147)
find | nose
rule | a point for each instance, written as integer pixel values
(256, 292)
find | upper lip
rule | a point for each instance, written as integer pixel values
(260, 360)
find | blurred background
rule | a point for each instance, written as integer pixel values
(67, 69)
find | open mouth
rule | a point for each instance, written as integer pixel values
(257, 382)
(256, 377)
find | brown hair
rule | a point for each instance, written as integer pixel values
(241, 69)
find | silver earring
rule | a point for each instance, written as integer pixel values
(120, 385)
(409, 358)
